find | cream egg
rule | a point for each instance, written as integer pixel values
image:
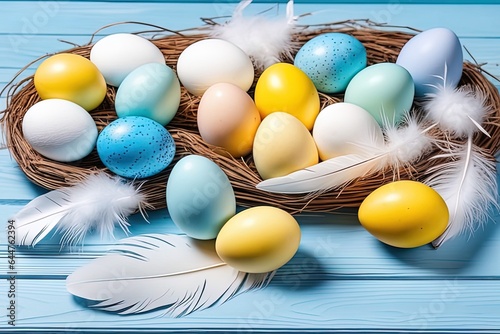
(211, 61)
(283, 145)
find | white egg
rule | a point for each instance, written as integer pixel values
(60, 130)
(211, 61)
(119, 54)
(344, 128)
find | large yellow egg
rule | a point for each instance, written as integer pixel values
(70, 77)
(283, 145)
(404, 214)
(258, 240)
(284, 87)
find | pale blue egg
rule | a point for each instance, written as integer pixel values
(151, 90)
(331, 60)
(385, 90)
(434, 59)
(200, 198)
(135, 147)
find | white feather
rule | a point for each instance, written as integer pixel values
(468, 184)
(458, 111)
(468, 181)
(39, 217)
(404, 145)
(160, 271)
(326, 175)
(263, 39)
(98, 203)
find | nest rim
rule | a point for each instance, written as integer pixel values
(381, 45)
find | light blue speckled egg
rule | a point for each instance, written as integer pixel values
(135, 147)
(331, 60)
(151, 90)
(200, 199)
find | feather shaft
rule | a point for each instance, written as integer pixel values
(467, 179)
(468, 185)
(133, 278)
(325, 175)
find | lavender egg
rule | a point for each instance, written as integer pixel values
(135, 147)
(434, 59)
(331, 60)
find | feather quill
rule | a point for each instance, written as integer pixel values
(403, 146)
(468, 184)
(174, 273)
(99, 202)
(467, 181)
(263, 39)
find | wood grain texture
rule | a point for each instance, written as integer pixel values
(314, 305)
(328, 2)
(342, 280)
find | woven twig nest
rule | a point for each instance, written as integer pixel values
(381, 46)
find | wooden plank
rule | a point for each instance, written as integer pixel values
(15, 185)
(341, 280)
(18, 49)
(312, 305)
(47, 17)
(329, 2)
(28, 37)
(333, 246)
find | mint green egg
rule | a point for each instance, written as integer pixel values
(385, 90)
(151, 90)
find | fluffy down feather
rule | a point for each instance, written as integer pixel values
(406, 144)
(458, 111)
(467, 180)
(468, 184)
(98, 203)
(263, 39)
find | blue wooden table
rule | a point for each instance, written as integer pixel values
(341, 279)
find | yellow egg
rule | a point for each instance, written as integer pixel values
(70, 77)
(283, 145)
(404, 214)
(258, 240)
(227, 117)
(284, 87)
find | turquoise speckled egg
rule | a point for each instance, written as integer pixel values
(331, 60)
(151, 90)
(135, 147)
(385, 90)
(200, 199)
